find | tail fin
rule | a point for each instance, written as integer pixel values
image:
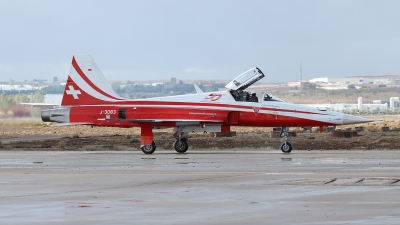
(86, 84)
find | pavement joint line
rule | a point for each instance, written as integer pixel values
(333, 180)
(358, 182)
(361, 180)
(395, 181)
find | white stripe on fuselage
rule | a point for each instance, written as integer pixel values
(312, 114)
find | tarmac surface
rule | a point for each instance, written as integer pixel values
(200, 187)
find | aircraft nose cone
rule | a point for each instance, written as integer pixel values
(348, 119)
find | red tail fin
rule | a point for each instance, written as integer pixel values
(86, 84)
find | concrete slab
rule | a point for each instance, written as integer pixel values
(377, 181)
(347, 181)
(201, 187)
(396, 182)
(318, 181)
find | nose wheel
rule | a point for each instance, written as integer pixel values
(286, 146)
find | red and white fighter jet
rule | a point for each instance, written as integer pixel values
(90, 100)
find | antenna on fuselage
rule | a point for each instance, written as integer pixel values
(301, 74)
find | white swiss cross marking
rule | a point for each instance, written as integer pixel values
(73, 92)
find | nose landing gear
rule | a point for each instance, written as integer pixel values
(286, 146)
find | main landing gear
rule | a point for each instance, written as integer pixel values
(149, 149)
(181, 144)
(286, 146)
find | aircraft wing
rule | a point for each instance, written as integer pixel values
(138, 121)
(161, 120)
(72, 124)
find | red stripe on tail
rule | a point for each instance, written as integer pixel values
(88, 81)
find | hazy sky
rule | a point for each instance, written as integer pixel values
(139, 40)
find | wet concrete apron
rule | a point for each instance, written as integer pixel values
(215, 187)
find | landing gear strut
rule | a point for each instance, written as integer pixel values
(286, 146)
(181, 145)
(149, 149)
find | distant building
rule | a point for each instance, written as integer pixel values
(293, 83)
(349, 107)
(319, 80)
(25, 87)
(157, 83)
(206, 83)
(334, 87)
(152, 84)
(377, 106)
(40, 80)
(394, 102)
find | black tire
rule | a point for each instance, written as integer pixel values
(149, 149)
(181, 146)
(286, 147)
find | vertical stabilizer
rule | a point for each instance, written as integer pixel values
(86, 84)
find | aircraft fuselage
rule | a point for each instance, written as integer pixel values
(159, 111)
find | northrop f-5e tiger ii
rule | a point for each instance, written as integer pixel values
(89, 99)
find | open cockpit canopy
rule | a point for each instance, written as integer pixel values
(245, 79)
(238, 85)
